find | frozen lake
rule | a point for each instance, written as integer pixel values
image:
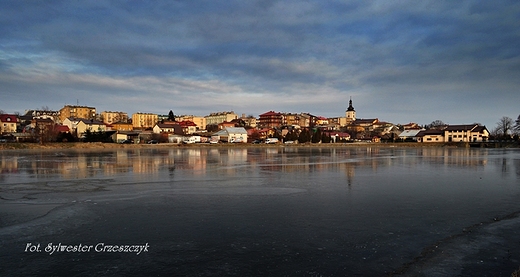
(280, 211)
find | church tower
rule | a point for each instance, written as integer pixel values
(351, 113)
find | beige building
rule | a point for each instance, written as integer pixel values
(92, 125)
(466, 133)
(216, 118)
(69, 111)
(455, 133)
(122, 126)
(144, 120)
(109, 117)
(198, 120)
(249, 120)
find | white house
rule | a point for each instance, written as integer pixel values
(410, 134)
(232, 134)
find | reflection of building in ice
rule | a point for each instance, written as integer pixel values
(455, 156)
(236, 156)
(8, 164)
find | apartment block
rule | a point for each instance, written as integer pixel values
(110, 117)
(144, 120)
(70, 111)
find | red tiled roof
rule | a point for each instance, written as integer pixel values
(270, 113)
(187, 123)
(8, 118)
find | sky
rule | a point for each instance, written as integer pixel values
(399, 61)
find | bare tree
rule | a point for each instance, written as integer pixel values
(437, 124)
(504, 126)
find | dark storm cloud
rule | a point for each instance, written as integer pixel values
(389, 51)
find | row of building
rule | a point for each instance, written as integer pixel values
(77, 120)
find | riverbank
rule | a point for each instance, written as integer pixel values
(99, 145)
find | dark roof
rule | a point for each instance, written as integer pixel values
(350, 107)
(90, 121)
(480, 129)
(168, 125)
(464, 127)
(430, 132)
(365, 121)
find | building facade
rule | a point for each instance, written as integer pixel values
(70, 111)
(109, 117)
(144, 120)
(122, 126)
(466, 133)
(8, 123)
(219, 117)
(270, 119)
(200, 121)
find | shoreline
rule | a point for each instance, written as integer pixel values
(107, 146)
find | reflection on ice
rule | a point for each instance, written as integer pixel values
(281, 210)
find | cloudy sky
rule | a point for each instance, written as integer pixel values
(400, 61)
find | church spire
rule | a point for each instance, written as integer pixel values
(350, 107)
(350, 113)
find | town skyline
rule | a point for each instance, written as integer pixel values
(239, 113)
(400, 61)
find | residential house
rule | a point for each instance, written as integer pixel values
(91, 125)
(46, 124)
(72, 123)
(200, 121)
(322, 121)
(409, 134)
(385, 128)
(122, 126)
(337, 136)
(431, 135)
(226, 124)
(169, 127)
(266, 132)
(188, 127)
(232, 134)
(70, 111)
(8, 123)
